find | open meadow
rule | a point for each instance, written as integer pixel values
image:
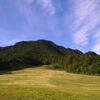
(44, 84)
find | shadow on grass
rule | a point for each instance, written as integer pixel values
(10, 70)
(5, 72)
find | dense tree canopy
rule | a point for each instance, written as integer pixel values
(46, 52)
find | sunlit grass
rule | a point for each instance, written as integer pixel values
(45, 84)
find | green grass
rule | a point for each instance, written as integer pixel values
(45, 84)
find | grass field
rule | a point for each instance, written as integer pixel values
(45, 84)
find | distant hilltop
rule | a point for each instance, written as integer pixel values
(45, 52)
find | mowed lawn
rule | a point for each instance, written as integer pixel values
(45, 84)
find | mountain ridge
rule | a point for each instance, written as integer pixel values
(41, 52)
(49, 41)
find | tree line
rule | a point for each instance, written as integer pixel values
(44, 52)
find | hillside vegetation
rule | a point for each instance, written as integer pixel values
(42, 83)
(44, 52)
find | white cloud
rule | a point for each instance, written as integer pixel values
(31, 12)
(96, 46)
(87, 17)
(32, 17)
(83, 9)
(80, 37)
(47, 5)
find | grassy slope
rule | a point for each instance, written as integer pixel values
(44, 84)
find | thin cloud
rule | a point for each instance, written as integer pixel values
(37, 19)
(81, 37)
(47, 5)
(83, 10)
(31, 17)
(87, 17)
(96, 46)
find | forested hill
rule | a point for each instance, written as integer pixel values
(41, 52)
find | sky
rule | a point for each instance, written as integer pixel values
(70, 23)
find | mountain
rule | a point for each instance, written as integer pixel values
(41, 52)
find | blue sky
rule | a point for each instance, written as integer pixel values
(70, 23)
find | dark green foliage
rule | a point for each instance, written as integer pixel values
(29, 53)
(43, 52)
(55, 66)
(87, 64)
